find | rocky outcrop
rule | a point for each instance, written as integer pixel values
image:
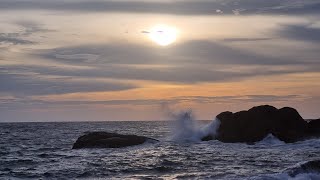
(255, 124)
(109, 140)
(250, 126)
(314, 127)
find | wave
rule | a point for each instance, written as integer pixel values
(307, 170)
(270, 139)
(185, 128)
(285, 176)
(307, 167)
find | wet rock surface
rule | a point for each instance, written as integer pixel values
(109, 140)
(255, 124)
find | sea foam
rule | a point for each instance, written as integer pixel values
(186, 128)
(270, 139)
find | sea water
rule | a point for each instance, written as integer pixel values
(44, 150)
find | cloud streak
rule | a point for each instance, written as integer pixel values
(19, 38)
(16, 102)
(245, 39)
(202, 7)
(190, 52)
(10, 38)
(27, 83)
(191, 62)
(40, 80)
(301, 32)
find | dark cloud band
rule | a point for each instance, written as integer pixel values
(202, 7)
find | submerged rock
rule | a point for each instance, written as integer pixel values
(255, 124)
(109, 140)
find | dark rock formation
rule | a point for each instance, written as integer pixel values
(314, 127)
(253, 125)
(109, 140)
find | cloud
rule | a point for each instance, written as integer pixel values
(184, 74)
(31, 27)
(187, 63)
(101, 53)
(19, 38)
(22, 81)
(78, 57)
(7, 38)
(301, 32)
(214, 52)
(16, 102)
(191, 7)
(245, 39)
(195, 52)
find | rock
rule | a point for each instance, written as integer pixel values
(109, 140)
(255, 124)
(207, 138)
(314, 127)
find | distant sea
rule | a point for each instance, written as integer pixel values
(44, 151)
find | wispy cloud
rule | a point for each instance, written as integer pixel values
(16, 102)
(190, 52)
(301, 32)
(40, 80)
(22, 81)
(203, 7)
(245, 39)
(11, 38)
(27, 28)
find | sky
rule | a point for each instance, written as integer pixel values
(81, 60)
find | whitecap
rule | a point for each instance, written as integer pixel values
(270, 139)
(186, 129)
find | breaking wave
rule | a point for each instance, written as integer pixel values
(186, 128)
(270, 139)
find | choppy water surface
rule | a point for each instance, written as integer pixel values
(43, 150)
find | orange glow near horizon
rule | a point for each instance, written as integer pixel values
(123, 65)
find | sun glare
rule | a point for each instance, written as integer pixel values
(163, 35)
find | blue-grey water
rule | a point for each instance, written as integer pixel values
(44, 151)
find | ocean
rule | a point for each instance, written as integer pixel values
(44, 151)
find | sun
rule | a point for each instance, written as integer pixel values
(163, 35)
